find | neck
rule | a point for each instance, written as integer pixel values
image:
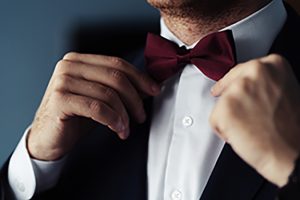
(191, 23)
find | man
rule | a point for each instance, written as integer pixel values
(169, 149)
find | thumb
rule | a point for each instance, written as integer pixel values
(224, 82)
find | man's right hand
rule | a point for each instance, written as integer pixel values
(85, 89)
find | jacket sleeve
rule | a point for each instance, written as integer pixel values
(292, 190)
(5, 191)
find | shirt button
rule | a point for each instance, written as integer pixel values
(20, 186)
(176, 195)
(187, 121)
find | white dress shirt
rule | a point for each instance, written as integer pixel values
(183, 149)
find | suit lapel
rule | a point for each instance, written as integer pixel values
(288, 42)
(232, 178)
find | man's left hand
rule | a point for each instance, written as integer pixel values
(258, 114)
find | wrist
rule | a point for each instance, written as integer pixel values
(291, 189)
(37, 150)
(279, 167)
(294, 177)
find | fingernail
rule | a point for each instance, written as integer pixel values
(120, 127)
(125, 134)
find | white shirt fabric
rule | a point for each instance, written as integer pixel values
(182, 147)
(27, 176)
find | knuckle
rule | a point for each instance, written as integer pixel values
(117, 76)
(256, 65)
(60, 64)
(232, 96)
(63, 66)
(245, 85)
(116, 61)
(61, 82)
(71, 56)
(95, 107)
(255, 68)
(236, 89)
(60, 97)
(279, 62)
(109, 93)
(231, 103)
(276, 58)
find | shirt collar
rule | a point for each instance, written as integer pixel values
(253, 35)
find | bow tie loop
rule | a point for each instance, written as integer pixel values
(214, 56)
(183, 56)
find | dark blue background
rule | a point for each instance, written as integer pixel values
(34, 35)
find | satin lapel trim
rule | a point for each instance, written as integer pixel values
(232, 178)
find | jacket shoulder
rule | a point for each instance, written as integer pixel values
(287, 42)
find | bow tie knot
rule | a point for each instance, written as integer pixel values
(183, 56)
(214, 56)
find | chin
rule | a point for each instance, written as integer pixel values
(172, 3)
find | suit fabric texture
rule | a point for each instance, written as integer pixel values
(104, 167)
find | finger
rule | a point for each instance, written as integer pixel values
(141, 80)
(214, 120)
(278, 66)
(274, 59)
(94, 109)
(273, 63)
(224, 82)
(109, 77)
(94, 90)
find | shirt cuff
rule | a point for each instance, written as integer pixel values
(27, 176)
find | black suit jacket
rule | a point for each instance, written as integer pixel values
(104, 167)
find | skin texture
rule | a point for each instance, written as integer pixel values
(191, 20)
(258, 114)
(83, 90)
(255, 98)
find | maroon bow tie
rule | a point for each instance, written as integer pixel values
(214, 55)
